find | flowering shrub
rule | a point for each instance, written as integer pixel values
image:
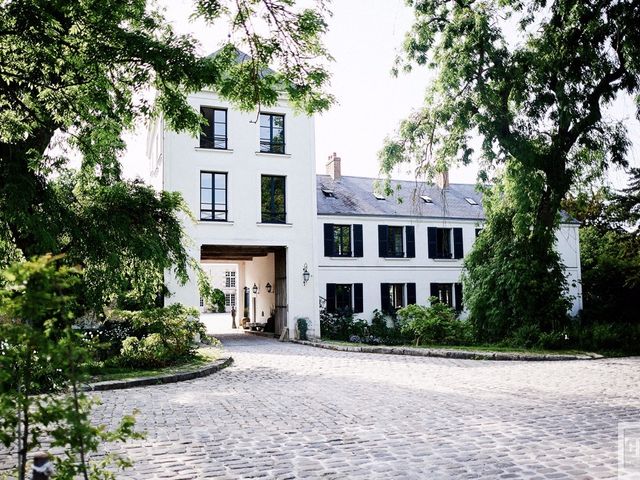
(155, 337)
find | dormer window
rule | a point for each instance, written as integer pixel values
(426, 199)
(470, 201)
(379, 196)
(328, 193)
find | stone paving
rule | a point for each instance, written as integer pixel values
(288, 411)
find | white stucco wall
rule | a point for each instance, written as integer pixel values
(183, 161)
(372, 270)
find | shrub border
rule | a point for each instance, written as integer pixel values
(445, 353)
(213, 367)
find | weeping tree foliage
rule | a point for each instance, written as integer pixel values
(529, 81)
(74, 77)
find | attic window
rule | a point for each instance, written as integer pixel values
(426, 199)
(328, 193)
(379, 196)
(470, 201)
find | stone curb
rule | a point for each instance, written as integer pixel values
(160, 379)
(458, 354)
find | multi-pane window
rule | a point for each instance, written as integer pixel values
(396, 295)
(230, 299)
(443, 292)
(449, 294)
(342, 240)
(271, 133)
(392, 297)
(396, 242)
(230, 279)
(445, 242)
(213, 196)
(344, 297)
(214, 134)
(273, 201)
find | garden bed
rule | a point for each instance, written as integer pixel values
(460, 352)
(206, 361)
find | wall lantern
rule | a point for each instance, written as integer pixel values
(268, 287)
(305, 274)
(254, 289)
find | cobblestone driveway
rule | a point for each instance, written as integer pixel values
(289, 411)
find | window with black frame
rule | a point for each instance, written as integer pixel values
(343, 298)
(443, 239)
(273, 200)
(392, 296)
(214, 133)
(396, 242)
(445, 243)
(443, 292)
(213, 196)
(271, 133)
(342, 240)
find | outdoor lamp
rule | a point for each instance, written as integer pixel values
(305, 274)
(268, 287)
(255, 289)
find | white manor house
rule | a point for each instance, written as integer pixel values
(296, 240)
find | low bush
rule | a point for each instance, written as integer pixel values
(435, 324)
(303, 327)
(611, 338)
(154, 338)
(527, 336)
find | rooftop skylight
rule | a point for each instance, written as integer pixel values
(379, 196)
(426, 198)
(470, 201)
(328, 193)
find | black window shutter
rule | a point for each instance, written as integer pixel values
(411, 293)
(328, 239)
(357, 298)
(434, 289)
(411, 241)
(357, 241)
(458, 250)
(331, 297)
(383, 240)
(385, 301)
(432, 240)
(458, 293)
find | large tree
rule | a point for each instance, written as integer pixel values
(73, 78)
(531, 80)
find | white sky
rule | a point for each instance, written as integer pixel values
(364, 38)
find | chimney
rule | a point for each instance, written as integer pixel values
(442, 179)
(333, 166)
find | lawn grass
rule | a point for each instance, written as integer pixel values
(481, 348)
(203, 356)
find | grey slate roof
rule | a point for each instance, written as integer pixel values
(354, 196)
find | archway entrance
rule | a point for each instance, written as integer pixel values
(261, 282)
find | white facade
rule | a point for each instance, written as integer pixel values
(179, 160)
(371, 270)
(270, 258)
